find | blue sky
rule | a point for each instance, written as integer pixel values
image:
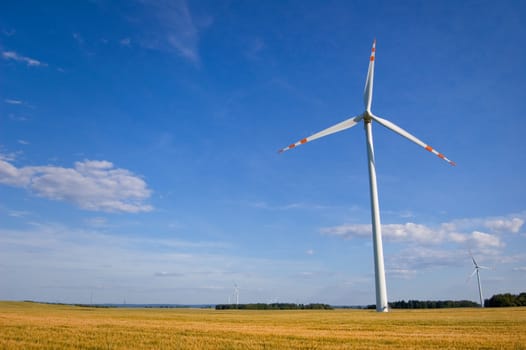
(138, 148)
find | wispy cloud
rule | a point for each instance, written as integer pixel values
(18, 213)
(168, 274)
(404, 214)
(397, 232)
(409, 261)
(91, 185)
(290, 206)
(13, 101)
(171, 26)
(8, 157)
(18, 102)
(97, 222)
(12, 55)
(59, 260)
(417, 259)
(401, 273)
(84, 45)
(18, 118)
(78, 38)
(8, 32)
(125, 42)
(254, 48)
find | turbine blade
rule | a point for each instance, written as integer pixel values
(473, 258)
(472, 274)
(368, 90)
(391, 126)
(346, 124)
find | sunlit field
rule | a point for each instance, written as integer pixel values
(37, 326)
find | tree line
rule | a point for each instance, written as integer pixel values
(273, 306)
(506, 299)
(428, 304)
(497, 300)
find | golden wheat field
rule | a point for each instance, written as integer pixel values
(38, 326)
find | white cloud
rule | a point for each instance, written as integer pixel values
(309, 252)
(476, 239)
(458, 237)
(411, 231)
(348, 231)
(408, 231)
(466, 231)
(505, 225)
(23, 142)
(510, 223)
(91, 185)
(481, 240)
(11, 55)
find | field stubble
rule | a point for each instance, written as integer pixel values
(38, 326)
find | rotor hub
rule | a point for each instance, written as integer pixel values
(367, 116)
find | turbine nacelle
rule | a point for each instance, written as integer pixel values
(367, 116)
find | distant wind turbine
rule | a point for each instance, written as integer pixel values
(367, 116)
(476, 271)
(236, 293)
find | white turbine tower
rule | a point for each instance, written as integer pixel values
(236, 293)
(476, 271)
(367, 116)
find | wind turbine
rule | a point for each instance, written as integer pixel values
(476, 270)
(235, 294)
(367, 117)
